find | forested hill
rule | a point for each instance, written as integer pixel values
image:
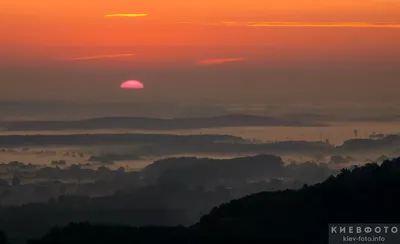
(368, 194)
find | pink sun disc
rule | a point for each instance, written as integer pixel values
(132, 84)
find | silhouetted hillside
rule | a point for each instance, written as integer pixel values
(3, 238)
(176, 191)
(112, 139)
(111, 157)
(84, 233)
(138, 123)
(385, 144)
(200, 171)
(368, 194)
(167, 144)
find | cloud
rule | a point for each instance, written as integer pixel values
(101, 57)
(305, 24)
(126, 15)
(218, 61)
(324, 24)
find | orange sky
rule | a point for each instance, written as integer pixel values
(33, 25)
(181, 34)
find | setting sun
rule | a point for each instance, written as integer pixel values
(132, 84)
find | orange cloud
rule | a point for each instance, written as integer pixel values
(325, 24)
(101, 57)
(305, 24)
(218, 61)
(126, 15)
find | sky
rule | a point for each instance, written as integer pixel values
(200, 51)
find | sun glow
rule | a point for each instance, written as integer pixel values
(126, 15)
(132, 84)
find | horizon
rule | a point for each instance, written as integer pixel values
(250, 51)
(216, 121)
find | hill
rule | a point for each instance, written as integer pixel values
(143, 123)
(368, 194)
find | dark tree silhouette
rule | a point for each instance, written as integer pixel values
(3, 238)
(368, 194)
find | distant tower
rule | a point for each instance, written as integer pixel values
(320, 136)
(355, 133)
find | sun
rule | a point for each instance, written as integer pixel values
(131, 84)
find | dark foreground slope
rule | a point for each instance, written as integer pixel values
(369, 194)
(3, 238)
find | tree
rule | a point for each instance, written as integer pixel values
(16, 181)
(3, 183)
(3, 238)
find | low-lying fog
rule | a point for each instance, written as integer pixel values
(336, 133)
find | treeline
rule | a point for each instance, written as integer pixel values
(368, 194)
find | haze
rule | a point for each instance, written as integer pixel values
(81, 55)
(218, 121)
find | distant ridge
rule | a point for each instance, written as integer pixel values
(145, 123)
